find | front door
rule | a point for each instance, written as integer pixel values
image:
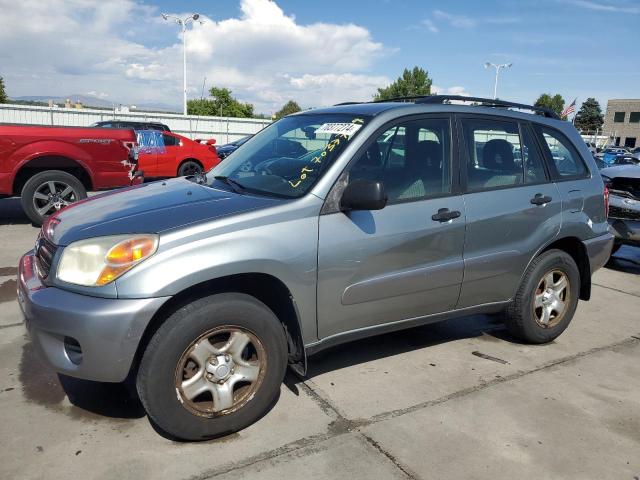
(377, 267)
(513, 208)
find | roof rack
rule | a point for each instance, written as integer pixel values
(484, 102)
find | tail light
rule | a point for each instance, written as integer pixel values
(606, 202)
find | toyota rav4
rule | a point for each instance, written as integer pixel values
(327, 226)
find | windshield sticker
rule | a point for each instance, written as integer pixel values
(342, 134)
(346, 129)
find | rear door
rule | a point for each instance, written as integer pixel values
(401, 262)
(513, 207)
(167, 159)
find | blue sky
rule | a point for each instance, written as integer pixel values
(312, 52)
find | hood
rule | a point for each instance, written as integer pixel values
(627, 171)
(150, 208)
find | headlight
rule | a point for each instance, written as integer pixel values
(98, 261)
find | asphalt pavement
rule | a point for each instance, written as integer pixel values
(455, 399)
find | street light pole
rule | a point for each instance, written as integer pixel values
(497, 67)
(183, 27)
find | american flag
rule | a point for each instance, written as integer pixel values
(570, 109)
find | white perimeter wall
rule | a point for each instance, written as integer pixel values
(223, 129)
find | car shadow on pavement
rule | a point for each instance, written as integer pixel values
(489, 327)
(41, 385)
(626, 260)
(11, 212)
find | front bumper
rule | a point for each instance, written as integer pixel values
(107, 330)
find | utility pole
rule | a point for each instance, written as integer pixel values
(497, 67)
(183, 27)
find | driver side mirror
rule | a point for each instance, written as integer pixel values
(363, 194)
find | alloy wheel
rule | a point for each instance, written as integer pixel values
(551, 298)
(53, 195)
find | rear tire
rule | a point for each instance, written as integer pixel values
(49, 191)
(189, 167)
(542, 307)
(214, 367)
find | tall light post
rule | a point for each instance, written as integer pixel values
(183, 22)
(497, 67)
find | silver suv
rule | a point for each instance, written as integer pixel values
(328, 226)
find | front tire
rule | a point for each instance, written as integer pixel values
(214, 367)
(546, 299)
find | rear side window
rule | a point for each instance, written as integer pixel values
(498, 155)
(565, 157)
(170, 141)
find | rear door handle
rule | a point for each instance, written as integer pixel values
(444, 215)
(540, 199)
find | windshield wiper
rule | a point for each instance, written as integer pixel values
(234, 184)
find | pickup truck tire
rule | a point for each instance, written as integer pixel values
(546, 299)
(49, 191)
(214, 367)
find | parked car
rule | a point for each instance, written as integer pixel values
(166, 154)
(133, 125)
(228, 148)
(203, 290)
(623, 183)
(51, 167)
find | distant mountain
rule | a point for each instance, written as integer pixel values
(93, 101)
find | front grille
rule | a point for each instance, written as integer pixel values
(623, 213)
(45, 250)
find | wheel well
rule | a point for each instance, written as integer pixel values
(266, 288)
(42, 164)
(189, 160)
(574, 247)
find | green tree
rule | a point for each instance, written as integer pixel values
(412, 83)
(220, 104)
(589, 117)
(3, 94)
(554, 103)
(288, 108)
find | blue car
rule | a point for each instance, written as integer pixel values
(227, 149)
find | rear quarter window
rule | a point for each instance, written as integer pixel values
(563, 155)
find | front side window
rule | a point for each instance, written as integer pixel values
(618, 117)
(289, 156)
(411, 159)
(565, 157)
(634, 117)
(499, 156)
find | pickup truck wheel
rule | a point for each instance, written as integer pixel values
(189, 167)
(546, 299)
(214, 367)
(47, 192)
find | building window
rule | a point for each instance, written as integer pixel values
(630, 142)
(617, 142)
(618, 117)
(634, 117)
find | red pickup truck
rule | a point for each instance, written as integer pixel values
(50, 167)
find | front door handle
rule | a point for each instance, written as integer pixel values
(444, 215)
(540, 199)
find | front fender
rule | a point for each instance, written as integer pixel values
(286, 250)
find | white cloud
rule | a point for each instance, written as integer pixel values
(455, 90)
(614, 7)
(440, 17)
(265, 56)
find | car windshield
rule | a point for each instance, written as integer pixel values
(289, 156)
